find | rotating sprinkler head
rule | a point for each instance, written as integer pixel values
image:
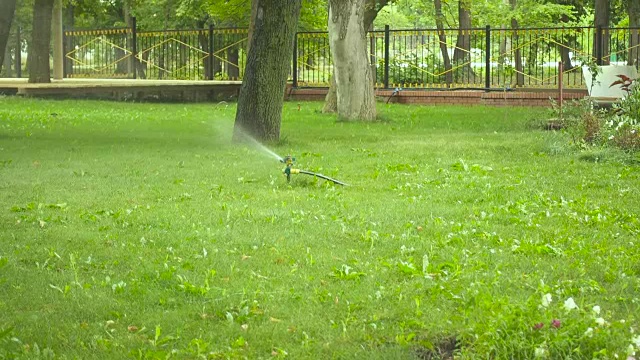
(289, 169)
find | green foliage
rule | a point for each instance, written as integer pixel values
(141, 231)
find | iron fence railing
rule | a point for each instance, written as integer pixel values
(478, 58)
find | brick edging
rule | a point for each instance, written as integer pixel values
(452, 97)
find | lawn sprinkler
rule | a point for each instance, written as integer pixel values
(288, 170)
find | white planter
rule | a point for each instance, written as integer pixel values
(608, 75)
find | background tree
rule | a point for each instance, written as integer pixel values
(360, 80)
(633, 9)
(39, 68)
(353, 76)
(7, 10)
(259, 111)
(601, 20)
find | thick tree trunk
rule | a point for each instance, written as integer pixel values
(252, 21)
(39, 67)
(443, 41)
(602, 21)
(7, 10)
(259, 111)
(633, 9)
(372, 7)
(331, 99)
(348, 40)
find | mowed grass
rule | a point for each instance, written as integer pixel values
(142, 231)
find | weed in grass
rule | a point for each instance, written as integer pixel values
(141, 231)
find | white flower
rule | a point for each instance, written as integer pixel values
(636, 340)
(600, 321)
(546, 299)
(569, 304)
(611, 137)
(596, 310)
(589, 332)
(540, 352)
(631, 350)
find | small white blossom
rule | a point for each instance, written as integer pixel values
(589, 332)
(540, 352)
(546, 299)
(596, 310)
(569, 304)
(636, 340)
(611, 137)
(600, 321)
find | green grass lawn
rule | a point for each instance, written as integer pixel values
(141, 231)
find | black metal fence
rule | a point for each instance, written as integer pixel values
(476, 58)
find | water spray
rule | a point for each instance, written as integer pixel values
(289, 169)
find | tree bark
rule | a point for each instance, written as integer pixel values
(633, 9)
(601, 17)
(461, 54)
(39, 67)
(348, 41)
(443, 41)
(518, 52)
(372, 8)
(259, 110)
(7, 10)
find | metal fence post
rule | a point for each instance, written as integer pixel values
(295, 60)
(487, 60)
(211, 74)
(386, 56)
(134, 46)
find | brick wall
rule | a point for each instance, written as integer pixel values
(539, 97)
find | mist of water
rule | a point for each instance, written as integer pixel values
(258, 146)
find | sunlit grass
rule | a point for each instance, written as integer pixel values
(140, 230)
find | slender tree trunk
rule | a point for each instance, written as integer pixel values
(602, 21)
(7, 10)
(442, 38)
(259, 110)
(348, 41)
(633, 8)
(69, 23)
(518, 52)
(39, 67)
(372, 8)
(463, 42)
(233, 56)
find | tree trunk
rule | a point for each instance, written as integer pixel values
(633, 9)
(602, 21)
(7, 10)
(372, 7)
(331, 100)
(39, 67)
(252, 21)
(462, 52)
(7, 63)
(518, 52)
(233, 58)
(442, 38)
(259, 110)
(70, 23)
(348, 41)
